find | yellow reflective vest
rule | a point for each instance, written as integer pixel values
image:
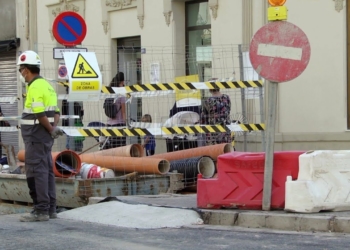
(41, 100)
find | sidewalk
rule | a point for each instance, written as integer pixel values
(278, 220)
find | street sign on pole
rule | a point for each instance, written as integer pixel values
(279, 51)
(69, 28)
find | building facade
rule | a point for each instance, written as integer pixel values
(8, 73)
(160, 40)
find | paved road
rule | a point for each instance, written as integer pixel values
(64, 234)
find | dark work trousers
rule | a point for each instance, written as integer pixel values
(40, 176)
(149, 152)
(118, 141)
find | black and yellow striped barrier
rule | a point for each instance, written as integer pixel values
(175, 130)
(173, 86)
(184, 86)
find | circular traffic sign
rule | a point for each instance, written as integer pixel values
(62, 71)
(279, 51)
(69, 28)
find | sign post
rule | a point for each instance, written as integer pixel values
(69, 29)
(279, 52)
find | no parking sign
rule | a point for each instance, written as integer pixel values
(62, 71)
(69, 28)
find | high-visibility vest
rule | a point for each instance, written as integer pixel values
(41, 97)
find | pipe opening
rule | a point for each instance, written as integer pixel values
(164, 166)
(228, 148)
(206, 167)
(136, 150)
(67, 164)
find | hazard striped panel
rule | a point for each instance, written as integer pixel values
(252, 127)
(182, 86)
(197, 129)
(113, 132)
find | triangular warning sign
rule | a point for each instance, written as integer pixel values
(82, 69)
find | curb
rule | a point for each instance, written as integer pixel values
(277, 221)
(337, 222)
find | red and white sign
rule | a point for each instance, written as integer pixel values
(62, 71)
(279, 51)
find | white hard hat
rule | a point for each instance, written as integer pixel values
(29, 57)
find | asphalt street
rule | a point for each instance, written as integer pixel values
(66, 234)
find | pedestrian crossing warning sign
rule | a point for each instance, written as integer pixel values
(82, 69)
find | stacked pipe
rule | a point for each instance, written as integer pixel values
(191, 167)
(212, 151)
(192, 162)
(128, 159)
(65, 164)
(68, 163)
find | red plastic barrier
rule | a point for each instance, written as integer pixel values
(239, 183)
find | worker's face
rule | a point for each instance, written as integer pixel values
(23, 73)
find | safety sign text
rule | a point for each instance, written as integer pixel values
(85, 85)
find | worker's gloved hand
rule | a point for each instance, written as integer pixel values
(56, 132)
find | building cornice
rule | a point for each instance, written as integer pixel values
(339, 5)
(109, 6)
(214, 5)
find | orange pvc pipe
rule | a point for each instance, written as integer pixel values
(213, 151)
(67, 157)
(132, 150)
(128, 164)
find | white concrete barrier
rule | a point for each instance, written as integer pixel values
(323, 183)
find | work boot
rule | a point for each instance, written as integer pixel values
(53, 212)
(35, 216)
(53, 215)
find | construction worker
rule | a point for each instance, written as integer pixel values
(38, 127)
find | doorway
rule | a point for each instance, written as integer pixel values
(129, 62)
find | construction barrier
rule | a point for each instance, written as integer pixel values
(160, 130)
(167, 87)
(240, 178)
(182, 86)
(322, 184)
(179, 130)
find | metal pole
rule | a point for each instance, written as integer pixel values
(270, 141)
(71, 141)
(262, 117)
(244, 108)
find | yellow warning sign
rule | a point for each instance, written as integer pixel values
(82, 69)
(85, 85)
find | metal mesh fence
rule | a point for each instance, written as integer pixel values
(152, 64)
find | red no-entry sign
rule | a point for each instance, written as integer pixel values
(279, 51)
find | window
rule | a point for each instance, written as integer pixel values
(198, 33)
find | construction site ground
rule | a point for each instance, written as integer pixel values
(276, 220)
(329, 222)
